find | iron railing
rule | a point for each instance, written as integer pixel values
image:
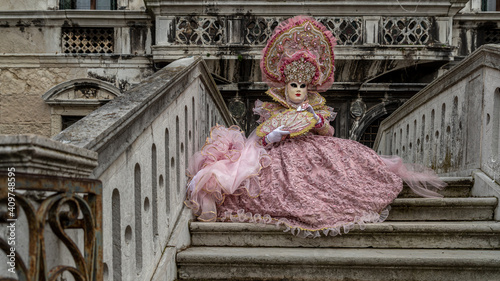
(51, 205)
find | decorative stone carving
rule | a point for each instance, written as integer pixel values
(258, 30)
(347, 31)
(86, 93)
(238, 110)
(75, 91)
(405, 31)
(200, 30)
(358, 108)
(87, 40)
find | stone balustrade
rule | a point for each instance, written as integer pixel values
(203, 27)
(144, 139)
(453, 124)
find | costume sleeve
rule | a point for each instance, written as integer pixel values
(323, 127)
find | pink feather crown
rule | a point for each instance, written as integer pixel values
(302, 46)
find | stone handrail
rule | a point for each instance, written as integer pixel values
(453, 124)
(144, 139)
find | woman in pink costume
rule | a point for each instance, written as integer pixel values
(291, 170)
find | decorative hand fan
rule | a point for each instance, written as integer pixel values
(296, 122)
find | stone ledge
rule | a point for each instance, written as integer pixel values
(442, 202)
(314, 7)
(75, 60)
(405, 235)
(100, 18)
(419, 53)
(348, 257)
(243, 263)
(34, 154)
(434, 227)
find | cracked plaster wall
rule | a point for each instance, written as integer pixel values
(28, 5)
(30, 40)
(22, 109)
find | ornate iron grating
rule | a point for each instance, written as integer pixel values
(88, 40)
(405, 31)
(258, 30)
(200, 30)
(492, 36)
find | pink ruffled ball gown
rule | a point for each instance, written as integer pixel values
(314, 184)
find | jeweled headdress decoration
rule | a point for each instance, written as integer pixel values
(300, 71)
(300, 48)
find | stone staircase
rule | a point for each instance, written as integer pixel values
(451, 238)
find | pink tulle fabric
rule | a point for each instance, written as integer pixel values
(228, 164)
(421, 180)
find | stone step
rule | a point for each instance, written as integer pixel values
(241, 263)
(425, 235)
(457, 187)
(443, 209)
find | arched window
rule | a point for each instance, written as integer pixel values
(72, 100)
(87, 4)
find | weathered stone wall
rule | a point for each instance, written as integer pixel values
(23, 86)
(30, 39)
(32, 5)
(28, 5)
(22, 109)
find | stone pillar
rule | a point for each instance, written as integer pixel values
(372, 24)
(165, 30)
(444, 30)
(234, 30)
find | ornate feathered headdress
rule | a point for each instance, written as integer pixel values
(300, 49)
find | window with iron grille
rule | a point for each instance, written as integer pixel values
(87, 4)
(368, 137)
(492, 36)
(82, 40)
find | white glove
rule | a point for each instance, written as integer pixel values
(275, 136)
(310, 109)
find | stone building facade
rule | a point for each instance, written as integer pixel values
(61, 59)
